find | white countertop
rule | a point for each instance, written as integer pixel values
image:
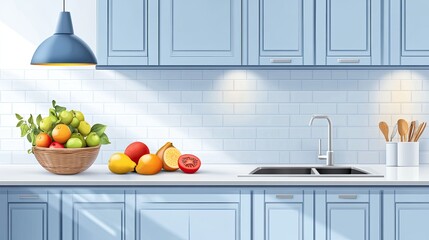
(208, 175)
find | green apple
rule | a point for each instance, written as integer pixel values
(46, 124)
(84, 128)
(93, 140)
(75, 122)
(78, 135)
(79, 115)
(66, 117)
(74, 143)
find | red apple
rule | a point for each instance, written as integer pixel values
(135, 150)
(56, 145)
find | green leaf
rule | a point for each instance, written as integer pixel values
(54, 103)
(29, 138)
(20, 123)
(59, 109)
(99, 129)
(38, 119)
(30, 119)
(24, 129)
(19, 117)
(30, 151)
(33, 139)
(104, 139)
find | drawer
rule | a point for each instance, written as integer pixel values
(284, 196)
(412, 195)
(347, 195)
(27, 196)
(182, 195)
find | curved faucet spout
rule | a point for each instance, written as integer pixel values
(329, 153)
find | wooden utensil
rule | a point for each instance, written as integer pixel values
(419, 133)
(411, 130)
(394, 131)
(402, 129)
(384, 128)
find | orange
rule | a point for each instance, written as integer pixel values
(149, 164)
(171, 159)
(61, 133)
(43, 140)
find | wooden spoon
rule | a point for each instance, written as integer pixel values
(411, 130)
(419, 133)
(402, 129)
(416, 132)
(384, 128)
(394, 131)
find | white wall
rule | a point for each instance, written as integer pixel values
(222, 116)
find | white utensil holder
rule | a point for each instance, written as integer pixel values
(408, 154)
(391, 154)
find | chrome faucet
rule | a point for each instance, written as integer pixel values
(329, 157)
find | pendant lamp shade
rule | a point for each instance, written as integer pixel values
(64, 48)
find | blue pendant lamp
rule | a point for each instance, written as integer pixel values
(64, 48)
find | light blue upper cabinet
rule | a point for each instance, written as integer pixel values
(283, 214)
(281, 32)
(409, 32)
(107, 215)
(344, 214)
(406, 214)
(200, 32)
(348, 32)
(127, 32)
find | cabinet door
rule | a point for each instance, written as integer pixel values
(283, 214)
(281, 32)
(28, 221)
(189, 221)
(123, 32)
(88, 216)
(200, 32)
(409, 32)
(348, 32)
(347, 221)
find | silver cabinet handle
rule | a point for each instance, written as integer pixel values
(284, 196)
(281, 60)
(347, 196)
(348, 60)
(28, 197)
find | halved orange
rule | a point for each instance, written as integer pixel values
(171, 159)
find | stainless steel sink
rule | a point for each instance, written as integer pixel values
(311, 172)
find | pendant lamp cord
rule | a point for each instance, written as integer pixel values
(64, 5)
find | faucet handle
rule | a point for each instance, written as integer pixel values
(320, 147)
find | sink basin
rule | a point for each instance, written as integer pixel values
(319, 171)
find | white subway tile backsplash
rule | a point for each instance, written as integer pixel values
(238, 116)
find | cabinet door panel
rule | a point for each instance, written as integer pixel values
(200, 32)
(163, 224)
(213, 224)
(411, 221)
(284, 221)
(98, 221)
(347, 221)
(28, 221)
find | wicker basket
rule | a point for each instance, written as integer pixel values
(66, 161)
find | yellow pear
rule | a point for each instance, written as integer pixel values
(120, 163)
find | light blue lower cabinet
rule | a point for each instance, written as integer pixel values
(283, 214)
(347, 214)
(98, 214)
(186, 214)
(406, 214)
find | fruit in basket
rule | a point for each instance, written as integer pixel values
(46, 124)
(56, 145)
(189, 163)
(59, 125)
(43, 140)
(149, 164)
(92, 140)
(61, 133)
(66, 117)
(74, 143)
(120, 163)
(78, 135)
(84, 128)
(169, 156)
(136, 150)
